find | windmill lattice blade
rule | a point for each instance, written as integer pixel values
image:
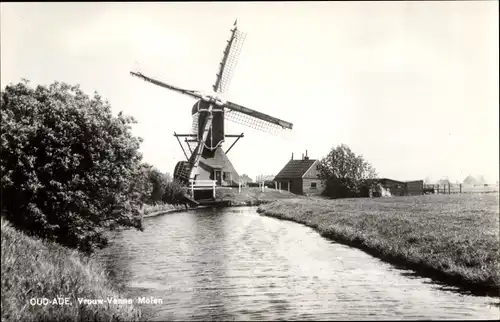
(258, 115)
(253, 122)
(229, 60)
(164, 85)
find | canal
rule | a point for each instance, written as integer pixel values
(234, 264)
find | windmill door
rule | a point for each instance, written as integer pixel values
(218, 176)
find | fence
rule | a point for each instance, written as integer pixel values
(260, 185)
(202, 185)
(450, 188)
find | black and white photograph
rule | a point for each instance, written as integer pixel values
(250, 161)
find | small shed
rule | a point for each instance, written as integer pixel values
(400, 188)
(397, 188)
(415, 188)
(300, 177)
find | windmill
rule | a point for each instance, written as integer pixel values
(206, 159)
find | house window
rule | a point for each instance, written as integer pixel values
(399, 186)
(313, 185)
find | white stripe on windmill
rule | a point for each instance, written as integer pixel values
(206, 159)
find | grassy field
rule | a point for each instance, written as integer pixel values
(252, 196)
(452, 238)
(32, 268)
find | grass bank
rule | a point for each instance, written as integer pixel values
(161, 208)
(36, 269)
(451, 238)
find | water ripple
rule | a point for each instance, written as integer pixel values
(233, 264)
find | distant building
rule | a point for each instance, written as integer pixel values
(300, 177)
(245, 179)
(262, 178)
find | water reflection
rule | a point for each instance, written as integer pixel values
(233, 264)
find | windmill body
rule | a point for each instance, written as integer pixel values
(205, 158)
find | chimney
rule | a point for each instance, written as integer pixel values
(292, 155)
(302, 156)
(306, 157)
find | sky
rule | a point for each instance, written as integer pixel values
(411, 86)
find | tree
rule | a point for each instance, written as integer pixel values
(158, 181)
(70, 168)
(444, 181)
(173, 193)
(164, 189)
(343, 172)
(142, 185)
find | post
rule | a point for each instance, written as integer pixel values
(275, 185)
(449, 188)
(279, 186)
(213, 187)
(239, 186)
(438, 188)
(192, 188)
(460, 188)
(289, 183)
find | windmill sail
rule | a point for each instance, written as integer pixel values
(207, 160)
(191, 93)
(229, 60)
(243, 115)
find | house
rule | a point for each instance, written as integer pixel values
(245, 179)
(214, 165)
(300, 177)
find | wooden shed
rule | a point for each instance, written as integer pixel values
(300, 177)
(400, 188)
(415, 188)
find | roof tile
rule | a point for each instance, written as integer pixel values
(295, 169)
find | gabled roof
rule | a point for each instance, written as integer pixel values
(295, 169)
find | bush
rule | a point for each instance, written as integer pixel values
(70, 170)
(173, 192)
(269, 184)
(341, 188)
